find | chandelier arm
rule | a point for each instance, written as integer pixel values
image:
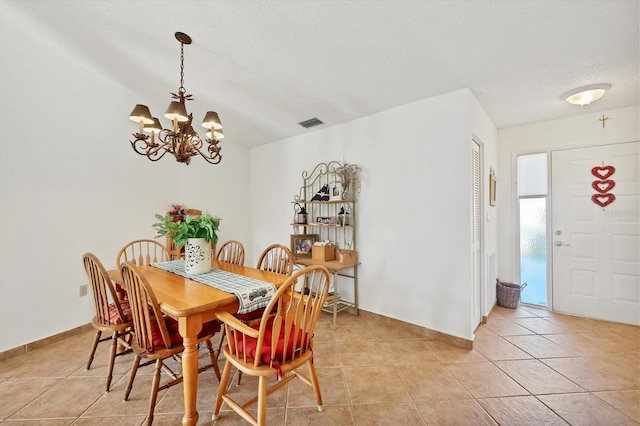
(197, 142)
(141, 144)
(154, 157)
(139, 141)
(157, 152)
(152, 150)
(166, 138)
(214, 156)
(169, 139)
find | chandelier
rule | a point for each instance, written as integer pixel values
(181, 139)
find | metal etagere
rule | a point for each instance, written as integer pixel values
(330, 206)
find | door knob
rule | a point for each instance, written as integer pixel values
(559, 243)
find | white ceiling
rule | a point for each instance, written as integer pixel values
(267, 65)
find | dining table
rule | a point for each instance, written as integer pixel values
(193, 303)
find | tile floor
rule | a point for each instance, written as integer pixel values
(528, 367)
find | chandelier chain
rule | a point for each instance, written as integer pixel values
(181, 89)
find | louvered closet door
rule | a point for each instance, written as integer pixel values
(477, 230)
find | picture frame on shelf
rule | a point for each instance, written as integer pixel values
(326, 220)
(335, 191)
(301, 244)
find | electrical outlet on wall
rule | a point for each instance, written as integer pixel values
(84, 290)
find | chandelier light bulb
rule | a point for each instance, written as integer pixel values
(217, 135)
(153, 128)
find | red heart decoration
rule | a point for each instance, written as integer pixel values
(603, 172)
(603, 200)
(603, 186)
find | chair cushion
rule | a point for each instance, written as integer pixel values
(250, 316)
(265, 355)
(208, 328)
(114, 316)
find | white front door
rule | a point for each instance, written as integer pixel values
(596, 247)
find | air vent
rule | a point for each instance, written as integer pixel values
(310, 122)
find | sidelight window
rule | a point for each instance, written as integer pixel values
(532, 194)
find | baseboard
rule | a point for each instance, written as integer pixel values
(28, 347)
(419, 330)
(486, 317)
(416, 329)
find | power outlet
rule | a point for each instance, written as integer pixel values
(84, 290)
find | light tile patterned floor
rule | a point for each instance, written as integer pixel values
(528, 367)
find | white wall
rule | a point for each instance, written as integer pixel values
(70, 182)
(484, 132)
(574, 132)
(414, 208)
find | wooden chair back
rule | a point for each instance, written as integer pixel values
(295, 309)
(152, 338)
(276, 258)
(112, 315)
(103, 289)
(145, 310)
(142, 252)
(279, 345)
(231, 251)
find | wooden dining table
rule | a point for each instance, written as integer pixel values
(192, 303)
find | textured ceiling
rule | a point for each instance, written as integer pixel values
(267, 65)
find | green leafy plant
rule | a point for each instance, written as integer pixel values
(203, 226)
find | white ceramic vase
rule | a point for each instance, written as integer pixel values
(197, 256)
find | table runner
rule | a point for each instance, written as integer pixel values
(252, 294)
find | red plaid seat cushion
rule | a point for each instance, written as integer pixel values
(208, 328)
(114, 316)
(265, 355)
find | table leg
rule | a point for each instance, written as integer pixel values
(189, 329)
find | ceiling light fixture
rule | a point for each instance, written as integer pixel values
(181, 140)
(585, 95)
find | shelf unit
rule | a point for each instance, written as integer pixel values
(332, 218)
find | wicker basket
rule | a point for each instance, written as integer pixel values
(508, 294)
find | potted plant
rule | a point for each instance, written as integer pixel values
(196, 234)
(177, 212)
(349, 174)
